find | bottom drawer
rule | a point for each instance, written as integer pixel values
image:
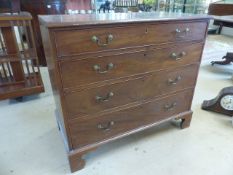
(92, 130)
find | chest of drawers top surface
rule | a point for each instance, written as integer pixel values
(114, 18)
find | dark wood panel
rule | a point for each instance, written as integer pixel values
(88, 131)
(81, 72)
(143, 55)
(43, 7)
(94, 100)
(78, 41)
(9, 6)
(36, 8)
(56, 85)
(78, 4)
(220, 9)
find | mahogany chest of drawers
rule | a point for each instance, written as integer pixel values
(117, 74)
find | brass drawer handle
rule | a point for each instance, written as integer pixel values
(170, 107)
(97, 68)
(106, 127)
(183, 33)
(174, 81)
(178, 56)
(103, 99)
(96, 40)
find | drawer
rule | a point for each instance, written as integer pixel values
(94, 100)
(95, 39)
(91, 70)
(91, 130)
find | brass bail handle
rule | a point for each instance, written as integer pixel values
(183, 33)
(174, 81)
(97, 68)
(170, 107)
(106, 98)
(178, 56)
(96, 40)
(106, 127)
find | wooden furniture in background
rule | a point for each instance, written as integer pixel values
(78, 4)
(120, 6)
(223, 21)
(49, 7)
(36, 7)
(18, 76)
(219, 9)
(120, 75)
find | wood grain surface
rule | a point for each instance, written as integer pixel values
(80, 72)
(105, 89)
(73, 42)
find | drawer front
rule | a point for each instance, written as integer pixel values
(91, 101)
(76, 41)
(91, 70)
(91, 130)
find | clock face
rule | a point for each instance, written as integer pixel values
(227, 102)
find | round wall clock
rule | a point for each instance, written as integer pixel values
(223, 103)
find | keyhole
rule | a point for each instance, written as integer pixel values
(146, 31)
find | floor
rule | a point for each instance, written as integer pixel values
(31, 145)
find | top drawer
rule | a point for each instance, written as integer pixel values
(99, 38)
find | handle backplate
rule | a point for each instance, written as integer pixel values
(178, 56)
(96, 40)
(104, 99)
(97, 68)
(106, 127)
(170, 107)
(174, 81)
(182, 34)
